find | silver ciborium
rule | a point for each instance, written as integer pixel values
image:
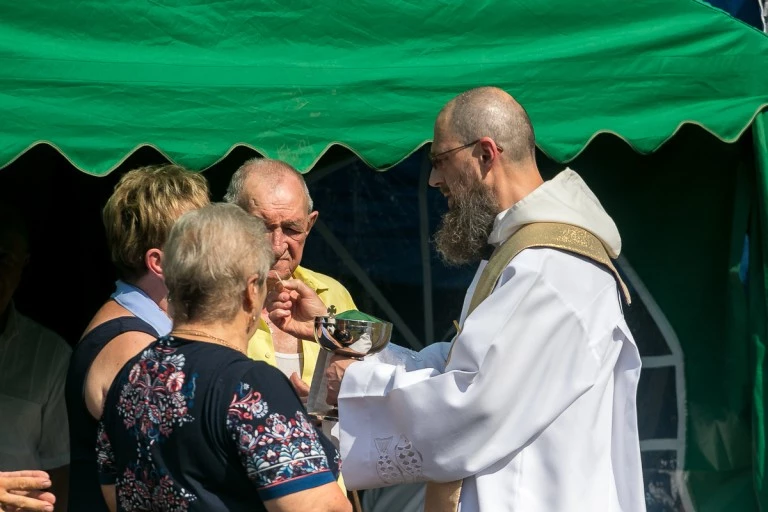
(352, 333)
(349, 334)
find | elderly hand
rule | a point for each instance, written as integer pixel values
(25, 490)
(334, 374)
(301, 387)
(293, 306)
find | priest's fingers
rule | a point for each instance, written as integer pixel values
(277, 296)
(279, 306)
(342, 361)
(332, 393)
(279, 321)
(272, 295)
(334, 375)
(293, 285)
(333, 384)
(301, 293)
(279, 314)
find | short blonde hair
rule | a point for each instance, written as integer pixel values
(142, 209)
(210, 254)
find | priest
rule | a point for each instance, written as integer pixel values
(531, 407)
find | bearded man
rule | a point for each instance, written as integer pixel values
(532, 407)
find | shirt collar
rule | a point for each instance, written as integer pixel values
(310, 280)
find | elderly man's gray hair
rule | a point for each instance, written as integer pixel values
(270, 172)
(207, 259)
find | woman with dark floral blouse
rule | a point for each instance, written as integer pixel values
(192, 424)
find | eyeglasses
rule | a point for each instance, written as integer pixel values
(436, 157)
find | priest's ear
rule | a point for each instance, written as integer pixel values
(489, 152)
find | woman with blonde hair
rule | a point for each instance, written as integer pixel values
(137, 219)
(193, 424)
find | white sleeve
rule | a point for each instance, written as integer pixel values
(522, 358)
(432, 356)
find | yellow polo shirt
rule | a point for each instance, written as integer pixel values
(331, 292)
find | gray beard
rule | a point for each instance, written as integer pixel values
(462, 235)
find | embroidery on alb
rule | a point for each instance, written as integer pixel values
(397, 464)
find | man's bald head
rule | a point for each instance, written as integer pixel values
(270, 173)
(276, 193)
(489, 112)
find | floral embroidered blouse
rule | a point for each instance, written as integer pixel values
(193, 426)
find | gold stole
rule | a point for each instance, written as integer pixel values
(444, 496)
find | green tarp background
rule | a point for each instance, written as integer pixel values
(194, 77)
(682, 213)
(758, 287)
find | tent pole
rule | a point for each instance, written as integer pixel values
(426, 262)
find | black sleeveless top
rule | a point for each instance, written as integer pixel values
(84, 488)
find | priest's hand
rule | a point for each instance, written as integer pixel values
(25, 490)
(293, 306)
(334, 373)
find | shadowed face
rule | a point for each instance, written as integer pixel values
(13, 257)
(283, 208)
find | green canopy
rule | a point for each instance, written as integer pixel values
(194, 78)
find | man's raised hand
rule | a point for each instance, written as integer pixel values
(292, 308)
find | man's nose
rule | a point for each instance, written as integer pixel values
(278, 242)
(435, 178)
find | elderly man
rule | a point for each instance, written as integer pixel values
(532, 407)
(276, 192)
(33, 368)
